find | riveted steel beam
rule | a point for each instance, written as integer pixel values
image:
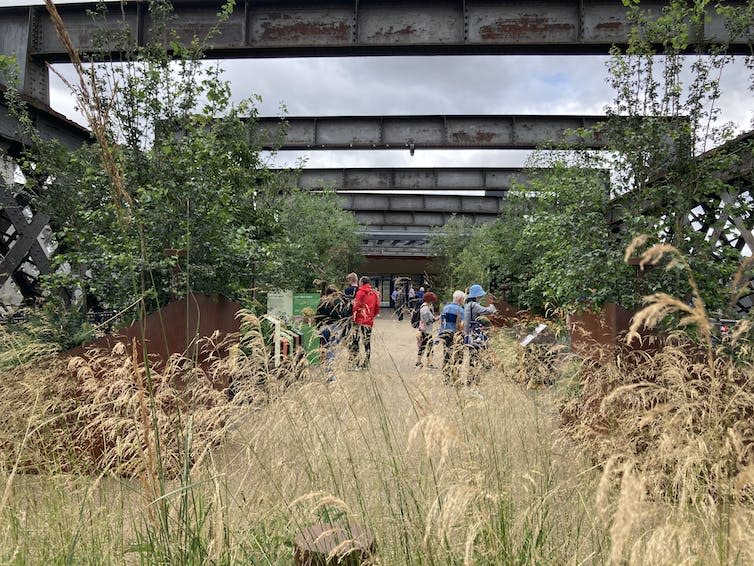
(429, 132)
(430, 204)
(415, 219)
(494, 181)
(272, 28)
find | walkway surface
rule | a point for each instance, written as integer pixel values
(394, 349)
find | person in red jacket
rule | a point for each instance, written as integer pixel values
(366, 306)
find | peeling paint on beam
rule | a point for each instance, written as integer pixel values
(261, 28)
(430, 132)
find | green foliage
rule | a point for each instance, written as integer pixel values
(47, 330)
(318, 240)
(201, 212)
(561, 241)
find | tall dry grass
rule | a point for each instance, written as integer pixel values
(439, 475)
(672, 427)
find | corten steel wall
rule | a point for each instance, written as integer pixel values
(597, 336)
(175, 328)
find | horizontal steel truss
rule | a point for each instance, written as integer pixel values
(493, 181)
(282, 28)
(430, 132)
(48, 123)
(416, 219)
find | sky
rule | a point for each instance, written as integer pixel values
(385, 85)
(548, 85)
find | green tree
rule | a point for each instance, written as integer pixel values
(176, 195)
(318, 241)
(664, 122)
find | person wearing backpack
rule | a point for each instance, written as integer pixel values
(451, 325)
(474, 330)
(366, 306)
(426, 323)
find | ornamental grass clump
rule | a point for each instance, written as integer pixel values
(106, 412)
(673, 428)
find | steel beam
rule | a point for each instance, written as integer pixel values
(275, 28)
(427, 132)
(430, 204)
(18, 38)
(413, 219)
(494, 181)
(48, 123)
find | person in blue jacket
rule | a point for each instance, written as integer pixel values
(451, 324)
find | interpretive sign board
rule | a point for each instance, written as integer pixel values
(280, 303)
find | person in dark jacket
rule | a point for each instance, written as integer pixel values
(332, 313)
(366, 306)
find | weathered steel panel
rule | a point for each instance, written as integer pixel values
(479, 131)
(476, 205)
(443, 203)
(604, 24)
(278, 26)
(407, 203)
(347, 132)
(406, 23)
(298, 132)
(371, 202)
(321, 178)
(85, 30)
(368, 179)
(460, 178)
(537, 130)
(415, 179)
(14, 35)
(400, 131)
(430, 219)
(503, 179)
(367, 218)
(197, 21)
(535, 22)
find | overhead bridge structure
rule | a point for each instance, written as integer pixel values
(283, 28)
(397, 206)
(430, 132)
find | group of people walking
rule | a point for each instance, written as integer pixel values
(350, 316)
(462, 324)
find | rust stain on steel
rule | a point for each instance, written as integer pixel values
(478, 137)
(300, 30)
(520, 27)
(609, 26)
(403, 32)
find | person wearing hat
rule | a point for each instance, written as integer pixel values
(473, 310)
(475, 322)
(426, 322)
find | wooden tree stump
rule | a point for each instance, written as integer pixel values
(333, 544)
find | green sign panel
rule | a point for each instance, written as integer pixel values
(304, 300)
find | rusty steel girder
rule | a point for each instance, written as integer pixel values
(284, 28)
